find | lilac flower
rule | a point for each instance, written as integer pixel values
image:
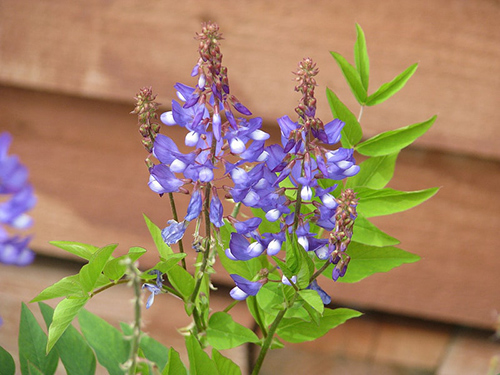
(216, 211)
(154, 288)
(174, 231)
(244, 287)
(248, 226)
(162, 180)
(194, 207)
(14, 182)
(241, 249)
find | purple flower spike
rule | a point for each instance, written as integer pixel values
(244, 287)
(241, 249)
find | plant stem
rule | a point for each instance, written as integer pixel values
(236, 210)
(298, 204)
(107, 286)
(320, 271)
(176, 218)
(136, 329)
(267, 342)
(360, 113)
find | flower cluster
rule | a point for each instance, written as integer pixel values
(19, 199)
(289, 177)
(215, 134)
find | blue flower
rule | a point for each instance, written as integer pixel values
(194, 207)
(244, 287)
(162, 180)
(241, 249)
(14, 182)
(155, 289)
(174, 231)
(216, 211)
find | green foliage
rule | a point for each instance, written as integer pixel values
(64, 314)
(76, 355)
(394, 140)
(224, 333)
(352, 76)
(107, 342)
(389, 201)
(82, 250)
(91, 271)
(32, 343)
(296, 330)
(351, 132)
(361, 57)
(374, 172)
(163, 249)
(181, 280)
(224, 365)
(199, 361)
(8, 366)
(174, 365)
(367, 233)
(388, 89)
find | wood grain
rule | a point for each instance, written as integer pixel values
(87, 167)
(108, 49)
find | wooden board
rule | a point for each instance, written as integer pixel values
(86, 164)
(109, 49)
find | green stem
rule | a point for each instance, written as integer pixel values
(230, 306)
(136, 329)
(236, 210)
(360, 113)
(176, 218)
(107, 286)
(298, 204)
(267, 342)
(319, 272)
(258, 318)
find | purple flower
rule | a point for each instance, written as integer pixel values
(174, 231)
(244, 287)
(194, 207)
(216, 211)
(154, 288)
(241, 249)
(162, 180)
(14, 182)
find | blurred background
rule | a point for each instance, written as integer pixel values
(69, 71)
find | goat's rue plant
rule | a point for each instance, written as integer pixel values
(299, 218)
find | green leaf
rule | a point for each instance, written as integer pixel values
(352, 77)
(312, 298)
(388, 89)
(64, 314)
(181, 280)
(306, 269)
(76, 355)
(82, 250)
(91, 271)
(224, 364)
(293, 259)
(367, 260)
(271, 298)
(174, 365)
(108, 343)
(389, 201)
(394, 140)
(295, 330)
(8, 366)
(351, 132)
(368, 234)
(116, 268)
(163, 249)
(32, 343)
(224, 333)
(67, 286)
(199, 361)
(33, 370)
(374, 172)
(361, 57)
